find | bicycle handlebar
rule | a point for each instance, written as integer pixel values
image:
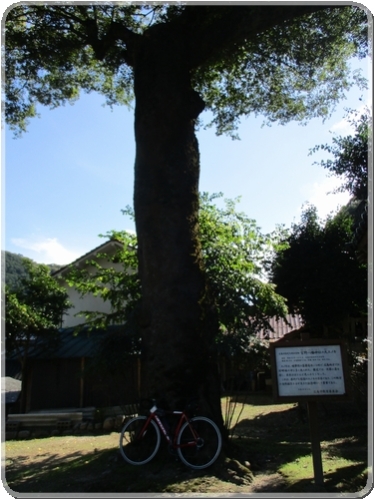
(152, 405)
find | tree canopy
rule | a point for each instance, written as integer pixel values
(34, 308)
(33, 314)
(287, 62)
(351, 155)
(319, 273)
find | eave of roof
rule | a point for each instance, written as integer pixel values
(88, 255)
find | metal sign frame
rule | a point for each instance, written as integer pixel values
(309, 370)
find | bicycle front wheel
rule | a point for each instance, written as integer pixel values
(199, 443)
(139, 445)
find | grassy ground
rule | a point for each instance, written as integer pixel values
(269, 452)
(279, 439)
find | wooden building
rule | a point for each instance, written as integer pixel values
(66, 376)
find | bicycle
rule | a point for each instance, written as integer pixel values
(197, 439)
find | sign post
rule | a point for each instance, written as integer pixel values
(310, 370)
(315, 442)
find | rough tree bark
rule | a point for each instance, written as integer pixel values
(176, 317)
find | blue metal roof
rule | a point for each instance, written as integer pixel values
(70, 343)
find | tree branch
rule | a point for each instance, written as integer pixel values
(210, 30)
(103, 44)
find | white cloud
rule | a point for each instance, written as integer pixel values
(321, 195)
(47, 251)
(343, 127)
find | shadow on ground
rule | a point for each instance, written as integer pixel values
(264, 444)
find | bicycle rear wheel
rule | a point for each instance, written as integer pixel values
(199, 443)
(138, 445)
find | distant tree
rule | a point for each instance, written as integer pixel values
(33, 314)
(351, 155)
(285, 62)
(318, 271)
(14, 268)
(319, 274)
(54, 267)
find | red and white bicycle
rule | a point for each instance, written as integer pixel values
(196, 440)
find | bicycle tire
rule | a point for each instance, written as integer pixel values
(135, 450)
(207, 446)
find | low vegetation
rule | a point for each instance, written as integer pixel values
(269, 452)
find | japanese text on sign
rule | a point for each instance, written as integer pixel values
(310, 370)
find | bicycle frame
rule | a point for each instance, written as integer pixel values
(194, 439)
(173, 442)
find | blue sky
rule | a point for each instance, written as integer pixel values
(65, 181)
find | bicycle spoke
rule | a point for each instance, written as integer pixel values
(137, 444)
(199, 443)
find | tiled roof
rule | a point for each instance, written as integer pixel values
(280, 327)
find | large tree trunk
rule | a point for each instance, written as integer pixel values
(177, 319)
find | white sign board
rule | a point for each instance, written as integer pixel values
(314, 370)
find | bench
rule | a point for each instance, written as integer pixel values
(66, 419)
(47, 419)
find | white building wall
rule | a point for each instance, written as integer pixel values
(88, 302)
